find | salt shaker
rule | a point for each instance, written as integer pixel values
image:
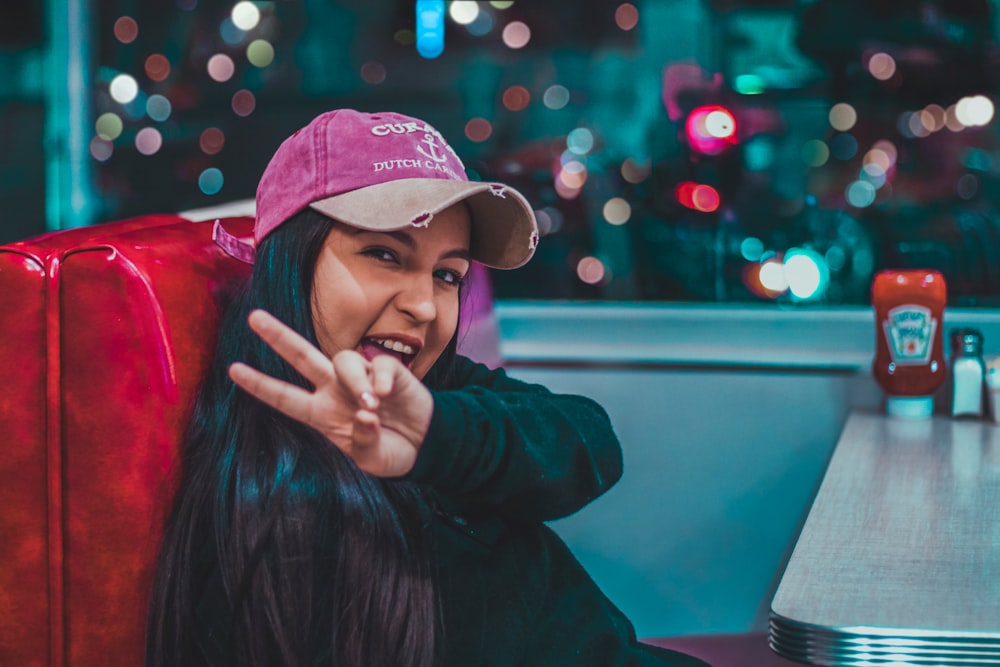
(968, 373)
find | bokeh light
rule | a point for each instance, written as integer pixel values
(148, 140)
(430, 28)
(873, 173)
(123, 88)
(815, 153)
(883, 153)
(806, 273)
(580, 141)
(842, 116)
(626, 16)
(463, 12)
(977, 159)
(882, 66)
(135, 109)
(697, 196)
(933, 117)
(211, 181)
(772, 276)
(109, 126)
(916, 125)
(243, 103)
(759, 153)
(404, 37)
(967, 186)
(635, 172)
(860, 194)
(555, 97)
(101, 149)
(211, 140)
(951, 120)
(569, 179)
(502, 4)
(482, 25)
(126, 29)
(710, 129)
(260, 53)
(245, 15)
(974, 111)
(516, 98)
(478, 130)
(835, 258)
(749, 84)
(910, 126)
(550, 220)
(751, 248)
(720, 124)
(573, 174)
(221, 67)
(158, 107)
(844, 146)
(590, 270)
(230, 33)
(617, 211)
(157, 67)
(373, 72)
(516, 35)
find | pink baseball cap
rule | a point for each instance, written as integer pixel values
(383, 172)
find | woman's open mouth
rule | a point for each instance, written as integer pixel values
(404, 352)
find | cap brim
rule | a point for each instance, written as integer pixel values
(504, 230)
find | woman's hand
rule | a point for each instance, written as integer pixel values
(377, 412)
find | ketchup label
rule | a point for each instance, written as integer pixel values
(909, 330)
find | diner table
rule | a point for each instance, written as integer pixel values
(898, 560)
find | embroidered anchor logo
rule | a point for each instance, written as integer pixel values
(433, 155)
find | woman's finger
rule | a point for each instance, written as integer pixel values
(353, 373)
(366, 431)
(291, 346)
(290, 399)
(384, 370)
(371, 451)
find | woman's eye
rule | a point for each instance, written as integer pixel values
(381, 254)
(450, 277)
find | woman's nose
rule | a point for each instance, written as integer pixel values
(416, 298)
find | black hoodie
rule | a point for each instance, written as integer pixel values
(502, 457)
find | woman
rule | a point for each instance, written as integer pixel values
(358, 494)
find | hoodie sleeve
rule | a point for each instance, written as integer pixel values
(499, 446)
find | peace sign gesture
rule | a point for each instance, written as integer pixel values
(377, 412)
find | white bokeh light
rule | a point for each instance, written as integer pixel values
(772, 276)
(245, 15)
(123, 88)
(463, 12)
(803, 276)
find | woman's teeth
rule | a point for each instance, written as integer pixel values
(395, 346)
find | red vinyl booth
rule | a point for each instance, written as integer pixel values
(107, 332)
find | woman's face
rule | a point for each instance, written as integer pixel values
(392, 292)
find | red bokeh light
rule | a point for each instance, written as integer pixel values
(697, 196)
(711, 129)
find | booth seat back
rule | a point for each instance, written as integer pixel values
(105, 334)
(107, 331)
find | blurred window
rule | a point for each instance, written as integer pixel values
(761, 151)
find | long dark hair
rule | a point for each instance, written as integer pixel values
(278, 550)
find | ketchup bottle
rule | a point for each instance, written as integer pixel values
(909, 354)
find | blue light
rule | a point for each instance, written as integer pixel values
(430, 28)
(210, 181)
